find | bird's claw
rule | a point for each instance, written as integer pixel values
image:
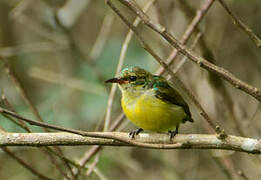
(135, 132)
(173, 133)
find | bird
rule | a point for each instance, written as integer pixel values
(150, 102)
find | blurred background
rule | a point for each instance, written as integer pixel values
(62, 51)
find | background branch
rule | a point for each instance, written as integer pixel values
(241, 25)
(223, 73)
(26, 165)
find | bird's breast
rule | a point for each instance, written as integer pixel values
(150, 113)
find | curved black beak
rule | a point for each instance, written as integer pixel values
(116, 80)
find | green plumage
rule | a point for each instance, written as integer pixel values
(168, 94)
(150, 102)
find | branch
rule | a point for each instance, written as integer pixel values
(154, 141)
(21, 90)
(31, 106)
(223, 73)
(25, 164)
(200, 14)
(242, 26)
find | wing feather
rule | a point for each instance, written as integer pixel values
(168, 94)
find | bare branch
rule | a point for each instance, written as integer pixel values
(183, 60)
(95, 149)
(24, 164)
(102, 36)
(23, 125)
(189, 31)
(223, 73)
(154, 141)
(61, 79)
(18, 122)
(21, 90)
(31, 106)
(242, 26)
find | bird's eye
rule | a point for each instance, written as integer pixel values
(132, 78)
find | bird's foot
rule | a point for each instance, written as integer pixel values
(135, 132)
(174, 133)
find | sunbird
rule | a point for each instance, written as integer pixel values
(150, 102)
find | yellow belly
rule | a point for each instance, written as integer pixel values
(151, 113)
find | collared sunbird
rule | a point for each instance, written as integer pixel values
(150, 102)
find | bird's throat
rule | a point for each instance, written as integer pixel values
(130, 95)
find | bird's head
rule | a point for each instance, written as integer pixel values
(133, 79)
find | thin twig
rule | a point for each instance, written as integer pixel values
(18, 121)
(241, 25)
(38, 28)
(21, 90)
(76, 51)
(24, 164)
(223, 73)
(230, 167)
(96, 49)
(188, 32)
(20, 7)
(89, 154)
(219, 161)
(74, 163)
(219, 86)
(31, 106)
(102, 36)
(228, 171)
(93, 165)
(31, 48)
(183, 60)
(218, 83)
(60, 79)
(22, 124)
